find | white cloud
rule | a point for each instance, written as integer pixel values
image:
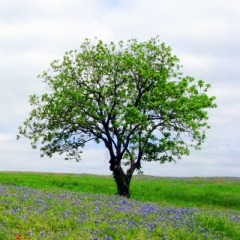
(199, 62)
(5, 137)
(204, 34)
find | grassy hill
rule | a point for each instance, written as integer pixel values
(81, 206)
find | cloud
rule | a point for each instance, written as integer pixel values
(18, 156)
(205, 35)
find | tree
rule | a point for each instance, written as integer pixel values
(131, 97)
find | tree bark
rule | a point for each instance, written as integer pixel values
(123, 181)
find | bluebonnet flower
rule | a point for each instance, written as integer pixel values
(40, 201)
(26, 196)
(77, 202)
(15, 208)
(107, 215)
(134, 223)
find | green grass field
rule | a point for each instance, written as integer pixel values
(159, 208)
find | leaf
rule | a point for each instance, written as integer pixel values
(132, 97)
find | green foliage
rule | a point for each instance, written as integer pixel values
(132, 97)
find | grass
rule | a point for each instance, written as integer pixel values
(191, 192)
(71, 206)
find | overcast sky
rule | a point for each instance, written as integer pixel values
(204, 34)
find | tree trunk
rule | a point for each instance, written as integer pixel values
(123, 181)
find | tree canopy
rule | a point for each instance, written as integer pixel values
(132, 97)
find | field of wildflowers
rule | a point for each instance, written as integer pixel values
(28, 213)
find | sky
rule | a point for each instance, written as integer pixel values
(203, 34)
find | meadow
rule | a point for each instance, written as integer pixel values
(80, 206)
